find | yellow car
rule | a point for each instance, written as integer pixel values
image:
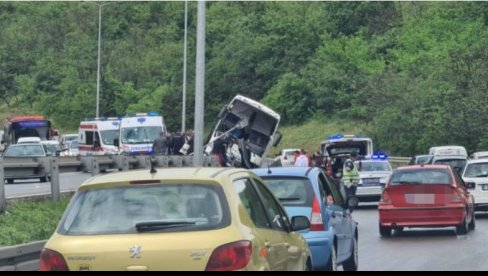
(177, 219)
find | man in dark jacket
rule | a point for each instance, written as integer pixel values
(160, 145)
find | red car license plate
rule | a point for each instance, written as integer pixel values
(420, 198)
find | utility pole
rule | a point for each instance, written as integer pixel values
(199, 87)
(183, 110)
(98, 61)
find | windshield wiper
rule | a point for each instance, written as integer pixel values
(288, 198)
(148, 226)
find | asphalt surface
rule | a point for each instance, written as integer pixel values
(25, 187)
(417, 249)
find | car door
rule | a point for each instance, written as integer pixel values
(286, 241)
(342, 216)
(265, 231)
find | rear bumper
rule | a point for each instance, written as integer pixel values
(421, 216)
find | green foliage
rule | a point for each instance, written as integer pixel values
(29, 221)
(414, 72)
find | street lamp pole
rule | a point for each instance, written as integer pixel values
(199, 87)
(99, 44)
(183, 110)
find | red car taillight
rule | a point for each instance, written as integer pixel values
(316, 222)
(52, 261)
(385, 198)
(231, 256)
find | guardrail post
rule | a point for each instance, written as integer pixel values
(125, 163)
(55, 191)
(95, 169)
(3, 203)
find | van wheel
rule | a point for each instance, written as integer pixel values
(43, 179)
(10, 181)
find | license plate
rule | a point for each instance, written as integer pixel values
(484, 187)
(420, 198)
(371, 181)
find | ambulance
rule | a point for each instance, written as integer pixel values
(138, 132)
(96, 136)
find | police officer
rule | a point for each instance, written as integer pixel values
(350, 174)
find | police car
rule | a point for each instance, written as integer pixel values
(374, 174)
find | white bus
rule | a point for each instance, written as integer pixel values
(138, 132)
(96, 137)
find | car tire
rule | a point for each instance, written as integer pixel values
(351, 264)
(308, 265)
(472, 223)
(332, 263)
(10, 181)
(43, 179)
(463, 228)
(385, 231)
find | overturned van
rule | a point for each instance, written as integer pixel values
(248, 129)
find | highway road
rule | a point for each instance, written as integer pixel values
(420, 249)
(68, 182)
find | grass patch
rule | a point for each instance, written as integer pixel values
(309, 135)
(29, 221)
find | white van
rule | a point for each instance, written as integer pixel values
(456, 156)
(246, 124)
(138, 132)
(96, 137)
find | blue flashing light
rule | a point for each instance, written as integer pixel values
(152, 113)
(335, 136)
(379, 156)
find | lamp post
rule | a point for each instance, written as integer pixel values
(199, 86)
(183, 109)
(99, 50)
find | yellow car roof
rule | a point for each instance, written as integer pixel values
(143, 176)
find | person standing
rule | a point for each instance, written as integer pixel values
(302, 159)
(160, 144)
(350, 174)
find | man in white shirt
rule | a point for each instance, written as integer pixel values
(302, 160)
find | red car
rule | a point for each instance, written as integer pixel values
(426, 196)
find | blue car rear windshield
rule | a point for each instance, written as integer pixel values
(291, 191)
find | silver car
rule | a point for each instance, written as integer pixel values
(374, 174)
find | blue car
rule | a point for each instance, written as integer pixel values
(333, 234)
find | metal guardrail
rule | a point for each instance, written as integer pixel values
(52, 166)
(399, 159)
(23, 257)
